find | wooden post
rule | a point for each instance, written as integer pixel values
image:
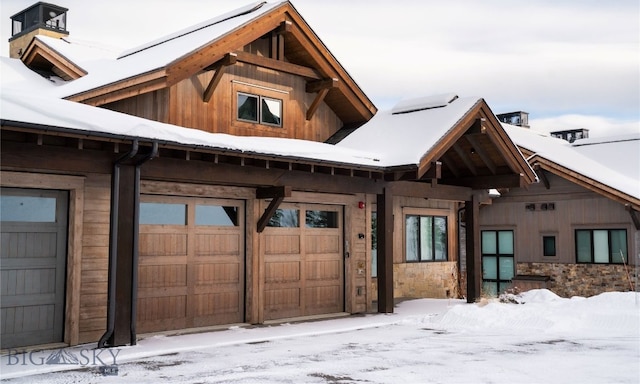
(474, 262)
(122, 330)
(385, 251)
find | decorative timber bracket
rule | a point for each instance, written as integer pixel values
(634, 216)
(542, 176)
(228, 59)
(321, 87)
(277, 194)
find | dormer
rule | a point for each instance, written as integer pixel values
(39, 19)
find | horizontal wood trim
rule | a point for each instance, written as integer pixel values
(487, 182)
(429, 191)
(277, 65)
(123, 89)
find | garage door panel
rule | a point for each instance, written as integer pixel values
(201, 262)
(162, 244)
(283, 302)
(23, 245)
(282, 244)
(160, 308)
(215, 274)
(32, 274)
(304, 267)
(322, 299)
(329, 243)
(282, 271)
(156, 276)
(217, 244)
(216, 303)
(324, 270)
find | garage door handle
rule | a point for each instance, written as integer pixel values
(346, 249)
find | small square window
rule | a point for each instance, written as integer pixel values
(271, 111)
(548, 245)
(247, 107)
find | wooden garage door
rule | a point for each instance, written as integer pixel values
(191, 271)
(304, 267)
(32, 273)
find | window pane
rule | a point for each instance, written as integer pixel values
(426, 238)
(247, 107)
(548, 245)
(321, 219)
(505, 268)
(412, 238)
(489, 267)
(583, 246)
(271, 111)
(505, 242)
(30, 209)
(489, 242)
(161, 213)
(600, 246)
(489, 288)
(619, 245)
(216, 215)
(502, 287)
(440, 228)
(285, 218)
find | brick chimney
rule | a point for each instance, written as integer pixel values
(39, 19)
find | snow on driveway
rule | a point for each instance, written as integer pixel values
(540, 339)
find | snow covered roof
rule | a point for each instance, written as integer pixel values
(17, 107)
(16, 76)
(159, 53)
(87, 54)
(404, 134)
(602, 161)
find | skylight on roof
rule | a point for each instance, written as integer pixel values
(422, 103)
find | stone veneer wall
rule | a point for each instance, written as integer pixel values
(569, 280)
(419, 280)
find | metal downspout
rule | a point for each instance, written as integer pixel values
(113, 243)
(136, 235)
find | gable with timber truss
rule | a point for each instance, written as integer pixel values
(268, 46)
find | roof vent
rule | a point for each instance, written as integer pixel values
(422, 103)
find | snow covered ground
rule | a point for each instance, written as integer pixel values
(540, 339)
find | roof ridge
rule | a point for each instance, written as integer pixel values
(217, 20)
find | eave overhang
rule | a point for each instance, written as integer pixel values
(586, 182)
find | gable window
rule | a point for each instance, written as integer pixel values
(426, 238)
(601, 246)
(259, 109)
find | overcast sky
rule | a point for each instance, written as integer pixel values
(570, 64)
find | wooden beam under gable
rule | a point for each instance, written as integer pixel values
(542, 176)
(322, 87)
(277, 194)
(482, 153)
(465, 159)
(277, 65)
(511, 154)
(229, 59)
